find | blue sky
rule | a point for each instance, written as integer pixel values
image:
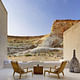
(35, 17)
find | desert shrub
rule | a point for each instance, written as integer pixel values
(9, 55)
(34, 54)
(14, 55)
(28, 55)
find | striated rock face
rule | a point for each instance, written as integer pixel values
(51, 41)
(21, 43)
(55, 38)
(59, 26)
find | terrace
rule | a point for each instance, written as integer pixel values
(7, 71)
(6, 74)
(5, 65)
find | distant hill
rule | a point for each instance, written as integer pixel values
(21, 43)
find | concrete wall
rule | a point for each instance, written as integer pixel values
(3, 34)
(71, 40)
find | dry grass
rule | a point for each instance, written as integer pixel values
(33, 58)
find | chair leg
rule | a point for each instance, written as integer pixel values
(44, 73)
(20, 76)
(63, 73)
(49, 73)
(58, 76)
(32, 73)
(13, 73)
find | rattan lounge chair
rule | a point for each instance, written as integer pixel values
(57, 70)
(18, 69)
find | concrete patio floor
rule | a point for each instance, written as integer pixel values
(6, 74)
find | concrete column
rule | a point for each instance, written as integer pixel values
(3, 34)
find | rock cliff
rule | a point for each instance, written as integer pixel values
(59, 26)
(55, 38)
(52, 40)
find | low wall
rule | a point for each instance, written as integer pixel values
(30, 64)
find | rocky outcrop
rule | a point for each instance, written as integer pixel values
(55, 38)
(44, 50)
(51, 41)
(59, 26)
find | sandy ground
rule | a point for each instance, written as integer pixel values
(34, 58)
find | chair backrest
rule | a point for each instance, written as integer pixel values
(16, 67)
(62, 66)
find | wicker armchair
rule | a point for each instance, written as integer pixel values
(18, 69)
(57, 70)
